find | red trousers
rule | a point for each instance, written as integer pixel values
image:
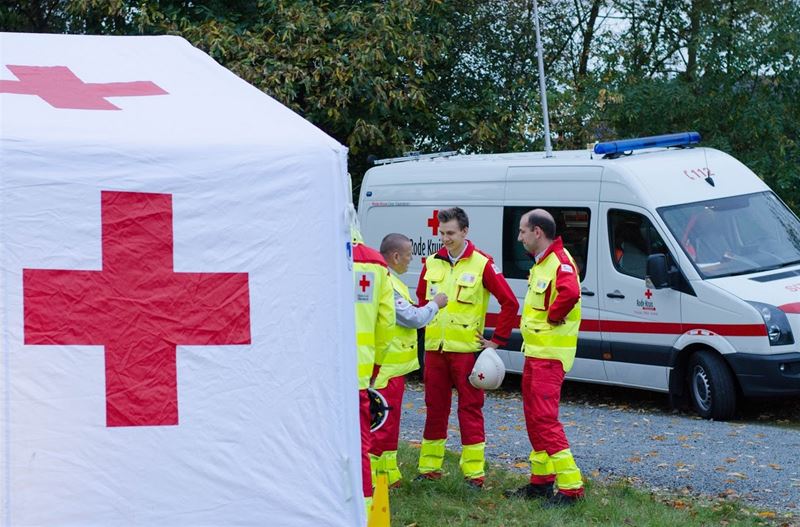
(541, 393)
(365, 418)
(443, 370)
(386, 437)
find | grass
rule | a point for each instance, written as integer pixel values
(449, 502)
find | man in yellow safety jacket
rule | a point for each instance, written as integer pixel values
(453, 339)
(400, 357)
(551, 316)
(374, 317)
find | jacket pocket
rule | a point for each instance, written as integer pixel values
(468, 290)
(465, 321)
(538, 296)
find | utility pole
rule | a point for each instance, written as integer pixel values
(548, 147)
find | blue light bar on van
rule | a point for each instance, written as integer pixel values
(625, 145)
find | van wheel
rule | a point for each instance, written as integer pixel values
(711, 386)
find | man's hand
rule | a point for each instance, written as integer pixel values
(440, 299)
(485, 343)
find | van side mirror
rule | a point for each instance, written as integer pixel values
(657, 274)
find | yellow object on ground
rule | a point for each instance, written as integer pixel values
(380, 516)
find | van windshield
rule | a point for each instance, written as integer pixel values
(735, 235)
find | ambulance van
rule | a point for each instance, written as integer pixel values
(689, 264)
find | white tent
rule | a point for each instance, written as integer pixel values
(176, 300)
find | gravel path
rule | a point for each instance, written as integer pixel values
(757, 463)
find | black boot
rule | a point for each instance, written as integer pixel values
(531, 491)
(561, 500)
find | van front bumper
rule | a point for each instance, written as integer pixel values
(766, 375)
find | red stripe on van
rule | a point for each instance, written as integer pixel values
(794, 307)
(669, 328)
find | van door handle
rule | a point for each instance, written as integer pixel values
(615, 294)
(586, 292)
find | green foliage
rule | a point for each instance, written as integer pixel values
(384, 77)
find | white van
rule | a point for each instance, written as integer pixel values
(689, 263)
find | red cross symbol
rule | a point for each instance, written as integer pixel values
(364, 283)
(648, 294)
(481, 376)
(138, 308)
(433, 223)
(61, 88)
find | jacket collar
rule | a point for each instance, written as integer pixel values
(442, 253)
(557, 245)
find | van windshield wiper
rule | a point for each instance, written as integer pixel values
(759, 270)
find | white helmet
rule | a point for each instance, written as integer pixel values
(489, 371)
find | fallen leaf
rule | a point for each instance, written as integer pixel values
(634, 459)
(766, 514)
(683, 438)
(737, 475)
(658, 438)
(502, 428)
(408, 405)
(731, 460)
(521, 465)
(774, 466)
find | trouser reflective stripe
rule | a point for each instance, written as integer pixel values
(472, 460)
(431, 455)
(368, 506)
(542, 470)
(568, 476)
(386, 463)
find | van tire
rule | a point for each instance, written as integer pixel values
(712, 389)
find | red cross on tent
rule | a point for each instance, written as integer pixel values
(63, 89)
(138, 308)
(433, 222)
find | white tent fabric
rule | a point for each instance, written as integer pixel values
(177, 325)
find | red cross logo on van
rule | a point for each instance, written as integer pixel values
(433, 222)
(648, 294)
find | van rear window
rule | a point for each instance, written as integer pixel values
(572, 224)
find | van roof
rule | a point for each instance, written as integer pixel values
(653, 176)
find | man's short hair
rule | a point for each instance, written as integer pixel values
(544, 220)
(393, 242)
(454, 213)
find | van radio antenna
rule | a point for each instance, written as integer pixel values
(548, 147)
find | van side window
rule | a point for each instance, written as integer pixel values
(572, 224)
(632, 239)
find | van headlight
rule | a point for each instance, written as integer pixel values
(778, 329)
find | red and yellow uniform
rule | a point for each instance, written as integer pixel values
(398, 359)
(551, 316)
(451, 344)
(374, 317)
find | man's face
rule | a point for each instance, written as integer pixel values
(452, 236)
(402, 259)
(529, 237)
